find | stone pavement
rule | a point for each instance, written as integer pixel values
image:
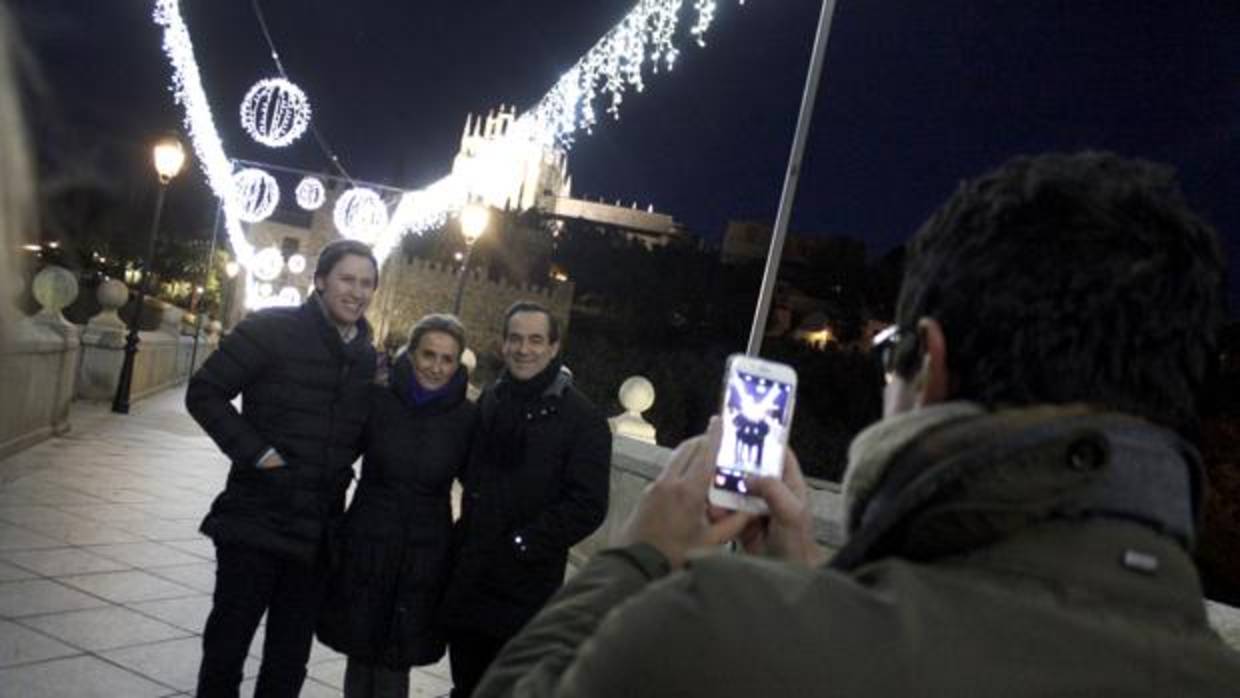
(105, 582)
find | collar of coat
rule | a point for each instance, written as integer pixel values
(313, 308)
(929, 485)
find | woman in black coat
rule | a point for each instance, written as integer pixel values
(393, 549)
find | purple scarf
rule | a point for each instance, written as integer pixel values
(419, 396)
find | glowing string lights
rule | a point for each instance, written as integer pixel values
(360, 214)
(275, 112)
(612, 67)
(259, 194)
(310, 193)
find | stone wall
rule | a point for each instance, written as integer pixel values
(410, 289)
(37, 371)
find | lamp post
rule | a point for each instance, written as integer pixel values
(474, 219)
(169, 156)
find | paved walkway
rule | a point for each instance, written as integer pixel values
(105, 582)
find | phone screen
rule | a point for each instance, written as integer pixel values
(755, 418)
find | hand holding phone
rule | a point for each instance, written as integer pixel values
(756, 413)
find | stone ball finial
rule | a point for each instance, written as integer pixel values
(55, 288)
(636, 394)
(469, 360)
(112, 294)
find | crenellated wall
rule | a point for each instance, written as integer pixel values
(410, 289)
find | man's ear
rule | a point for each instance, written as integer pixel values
(932, 384)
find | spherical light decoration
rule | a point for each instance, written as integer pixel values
(360, 214)
(275, 112)
(297, 264)
(268, 264)
(289, 296)
(310, 194)
(258, 194)
(265, 290)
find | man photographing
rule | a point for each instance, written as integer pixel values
(1019, 522)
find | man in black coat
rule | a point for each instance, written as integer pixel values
(303, 375)
(536, 484)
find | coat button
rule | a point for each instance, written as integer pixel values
(1087, 454)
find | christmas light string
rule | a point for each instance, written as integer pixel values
(611, 67)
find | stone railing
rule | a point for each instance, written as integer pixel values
(49, 361)
(163, 358)
(37, 366)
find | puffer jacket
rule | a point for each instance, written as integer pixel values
(306, 394)
(393, 557)
(520, 517)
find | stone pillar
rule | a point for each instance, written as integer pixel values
(103, 344)
(55, 288)
(37, 366)
(637, 396)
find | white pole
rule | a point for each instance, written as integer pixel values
(790, 179)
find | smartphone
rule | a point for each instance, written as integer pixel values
(756, 411)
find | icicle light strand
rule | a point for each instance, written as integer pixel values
(608, 70)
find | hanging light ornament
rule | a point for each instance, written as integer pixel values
(310, 193)
(275, 112)
(268, 264)
(297, 264)
(289, 296)
(360, 214)
(258, 193)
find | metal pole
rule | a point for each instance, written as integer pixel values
(460, 285)
(206, 280)
(120, 402)
(791, 178)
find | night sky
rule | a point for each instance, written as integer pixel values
(915, 96)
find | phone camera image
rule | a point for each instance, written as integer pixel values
(755, 419)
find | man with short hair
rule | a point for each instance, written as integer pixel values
(536, 484)
(1019, 522)
(303, 375)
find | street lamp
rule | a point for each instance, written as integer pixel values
(169, 157)
(474, 219)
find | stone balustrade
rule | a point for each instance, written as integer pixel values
(49, 361)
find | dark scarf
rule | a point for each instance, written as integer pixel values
(504, 427)
(405, 386)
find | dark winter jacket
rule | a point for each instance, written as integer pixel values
(392, 564)
(1031, 553)
(306, 394)
(520, 515)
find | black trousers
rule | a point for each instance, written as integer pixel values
(470, 654)
(248, 583)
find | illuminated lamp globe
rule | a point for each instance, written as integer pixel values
(474, 221)
(169, 157)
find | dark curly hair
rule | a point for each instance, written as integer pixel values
(1070, 278)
